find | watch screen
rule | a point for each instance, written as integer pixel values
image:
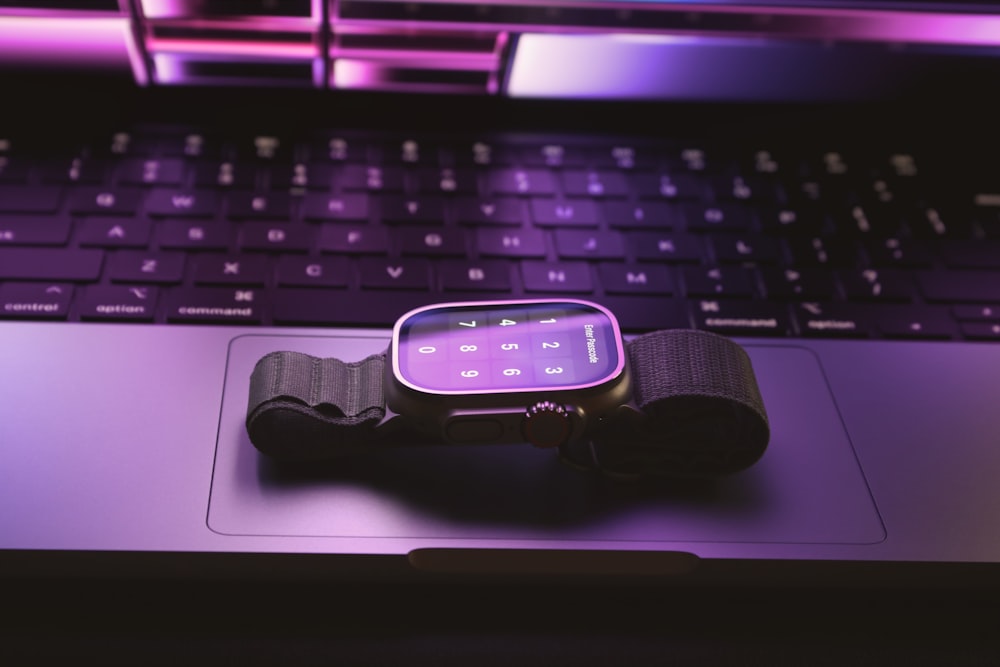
(507, 346)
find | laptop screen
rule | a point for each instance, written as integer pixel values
(604, 49)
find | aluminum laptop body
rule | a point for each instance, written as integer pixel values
(123, 389)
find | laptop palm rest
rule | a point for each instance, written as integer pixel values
(808, 488)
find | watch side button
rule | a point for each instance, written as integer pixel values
(472, 430)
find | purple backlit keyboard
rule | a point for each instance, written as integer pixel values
(170, 225)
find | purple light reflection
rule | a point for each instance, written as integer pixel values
(429, 76)
(165, 9)
(277, 50)
(81, 42)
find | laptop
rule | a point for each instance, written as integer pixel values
(188, 186)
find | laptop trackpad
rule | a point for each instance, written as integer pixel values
(808, 487)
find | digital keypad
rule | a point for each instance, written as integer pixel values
(507, 348)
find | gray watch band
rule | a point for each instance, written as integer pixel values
(700, 411)
(305, 408)
(698, 408)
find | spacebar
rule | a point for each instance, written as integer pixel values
(371, 308)
(50, 264)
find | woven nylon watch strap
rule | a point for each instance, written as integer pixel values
(700, 410)
(303, 407)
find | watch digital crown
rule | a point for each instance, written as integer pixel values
(546, 424)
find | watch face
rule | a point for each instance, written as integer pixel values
(507, 346)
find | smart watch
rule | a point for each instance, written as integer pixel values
(553, 373)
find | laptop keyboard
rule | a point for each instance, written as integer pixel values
(183, 226)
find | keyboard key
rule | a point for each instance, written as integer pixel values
(823, 251)
(571, 277)
(30, 198)
(265, 148)
(312, 271)
(104, 201)
(242, 206)
(350, 207)
(403, 274)
(744, 188)
(579, 244)
(960, 286)
(35, 301)
(213, 305)
(651, 215)
(981, 331)
(372, 179)
(249, 270)
(136, 266)
(74, 170)
(742, 318)
(483, 276)
(19, 230)
(353, 239)
(513, 243)
(935, 223)
(485, 154)
(55, 264)
(831, 320)
(971, 254)
(152, 171)
(977, 313)
(794, 283)
(301, 177)
(877, 285)
(620, 278)
(421, 210)
(553, 155)
(338, 149)
(500, 211)
(567, 212)
(579, 183)
(666, 247)
(917, 322)
(716, 282)
(276, 237)
(444, 242)
(182, 203)
(445, 181)
(896, 253)
(670, 186)
(647, 314)
(12, 170)
(342, 307)
(227, 175)
(521, 182)
(115, 232)
(119, 303)
(625, 157)
(410, 152)
(192, 235)
(743, 249)
(791, 221)
(719, 217)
